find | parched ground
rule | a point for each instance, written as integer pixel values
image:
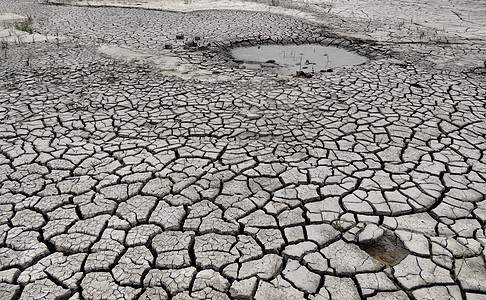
(135, 164)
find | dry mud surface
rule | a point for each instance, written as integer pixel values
(139, 161)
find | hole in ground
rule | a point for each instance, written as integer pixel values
(289, 59)
(388, 249)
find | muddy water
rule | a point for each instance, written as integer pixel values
(289, 59)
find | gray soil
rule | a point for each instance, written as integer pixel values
(138, 160)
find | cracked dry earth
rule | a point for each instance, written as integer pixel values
(122, 180)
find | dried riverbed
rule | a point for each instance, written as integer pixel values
(139, 160)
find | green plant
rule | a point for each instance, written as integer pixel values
(405, 143)
(302, 206)
(274, 2)
(469, 213)
(276, 274)
(24, 27)
(339, 224)
(456, 275)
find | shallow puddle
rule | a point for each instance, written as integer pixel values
(290, 59)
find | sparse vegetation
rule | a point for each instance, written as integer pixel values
(119, 157)
(456, 275)
(339, 222)
(25, 26)
(160, 176)
(277, 275)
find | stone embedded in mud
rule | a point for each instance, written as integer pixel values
(190, 44)
(302, 74)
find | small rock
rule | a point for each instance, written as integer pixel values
(190, 44)
(302, 74)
